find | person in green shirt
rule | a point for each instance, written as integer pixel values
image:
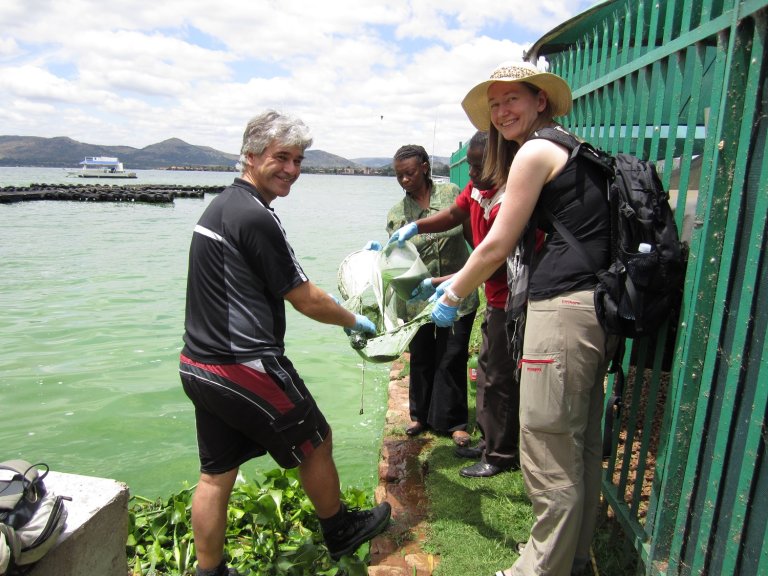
(438, 357)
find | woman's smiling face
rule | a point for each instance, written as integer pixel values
(515, 108)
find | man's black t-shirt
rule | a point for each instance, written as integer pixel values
(240, 268)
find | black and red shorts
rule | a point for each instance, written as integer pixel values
(246, 410)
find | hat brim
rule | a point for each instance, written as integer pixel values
(558, 93)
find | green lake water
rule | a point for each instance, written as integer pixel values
(92, 308)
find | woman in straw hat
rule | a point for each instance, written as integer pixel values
(565, 351)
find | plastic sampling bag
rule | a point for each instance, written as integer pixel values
(402, 269)
(377, 285)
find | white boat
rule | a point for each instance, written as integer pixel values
(101, 167)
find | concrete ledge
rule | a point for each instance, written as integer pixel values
(93, 542)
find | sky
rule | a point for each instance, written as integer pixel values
(366, 76)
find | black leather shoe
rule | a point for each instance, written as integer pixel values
(468, 452)
(481, 470)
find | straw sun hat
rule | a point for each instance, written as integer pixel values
(558, 92)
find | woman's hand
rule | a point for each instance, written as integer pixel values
(424, 290)
(402, 234)
(444, 315)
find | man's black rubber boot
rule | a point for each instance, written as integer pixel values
(356, 527)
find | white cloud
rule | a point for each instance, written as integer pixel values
(367, 78)
(8, 47)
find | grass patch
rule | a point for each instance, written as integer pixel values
(473, 523)
(612, 550)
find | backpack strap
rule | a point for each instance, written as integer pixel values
(614, 402)
(559, 135)
(578, 148)
(570, 238)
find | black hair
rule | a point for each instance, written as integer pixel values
(479, 140)
(415, 151)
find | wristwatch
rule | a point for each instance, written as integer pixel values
(452, 295)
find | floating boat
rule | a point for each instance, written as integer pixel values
(101, 167)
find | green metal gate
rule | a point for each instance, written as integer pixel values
(685, 83)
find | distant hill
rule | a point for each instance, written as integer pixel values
(325, 160)
(385, 162)
(376, 162)
(63, 152)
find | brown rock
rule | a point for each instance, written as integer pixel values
(398, 552)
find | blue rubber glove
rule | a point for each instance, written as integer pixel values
(444, 315)
(424, 290)
(402, 234)
(372, 245)
(440, 290)
(362, 324)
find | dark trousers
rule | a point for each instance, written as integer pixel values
(498, 393)
(438, 377)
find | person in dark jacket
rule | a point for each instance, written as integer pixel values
(498, 386)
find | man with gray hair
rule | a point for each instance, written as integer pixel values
(249, 400)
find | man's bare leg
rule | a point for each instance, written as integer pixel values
(209, 516)
(320, 480)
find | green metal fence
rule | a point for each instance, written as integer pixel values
(685, 83)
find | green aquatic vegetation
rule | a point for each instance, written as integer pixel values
(272, 529)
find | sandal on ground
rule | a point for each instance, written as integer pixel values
(461, 438)
(506, 572)
(415, 429)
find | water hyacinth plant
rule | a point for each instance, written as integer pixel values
(272, 529)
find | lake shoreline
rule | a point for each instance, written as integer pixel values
(401, 483)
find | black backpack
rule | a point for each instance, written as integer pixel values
(31, 517)
(637, 293)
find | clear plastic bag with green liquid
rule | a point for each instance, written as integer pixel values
(402, 269)
(377, 284)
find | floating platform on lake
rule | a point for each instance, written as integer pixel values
(149, 193)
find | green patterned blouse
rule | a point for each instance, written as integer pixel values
(443, 253)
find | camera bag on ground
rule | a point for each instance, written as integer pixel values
(31, 517)
(637, 293)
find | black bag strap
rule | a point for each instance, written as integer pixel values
(571, 239)
(615, 401)
(635, 296)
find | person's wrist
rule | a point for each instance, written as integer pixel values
(451, 296)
